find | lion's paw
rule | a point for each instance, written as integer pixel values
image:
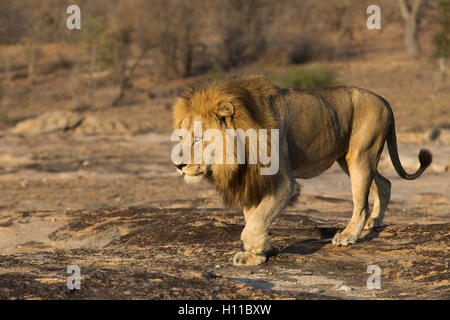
(344, 239)
(248, 259)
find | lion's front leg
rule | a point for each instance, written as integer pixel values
(258, 221)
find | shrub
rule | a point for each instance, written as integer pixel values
(216, 73)
(302, 77)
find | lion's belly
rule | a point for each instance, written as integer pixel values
(311, 170)
(313, 150)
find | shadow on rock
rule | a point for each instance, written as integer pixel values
(373, 233)
(255, 283)
(307, 246)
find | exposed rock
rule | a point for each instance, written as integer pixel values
(94, 124)
(49, 121)
(433, 134)
(66, 120)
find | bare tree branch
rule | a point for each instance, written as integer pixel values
(404, 8)
(415, 7)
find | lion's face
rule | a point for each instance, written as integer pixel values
(193, 172)
(198, 114)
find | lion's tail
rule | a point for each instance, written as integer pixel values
(425, 156)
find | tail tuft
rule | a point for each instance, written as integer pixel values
(425, 158)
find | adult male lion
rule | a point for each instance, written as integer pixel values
(316, 128)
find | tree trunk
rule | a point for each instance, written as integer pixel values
(411, 40)
(410, 16)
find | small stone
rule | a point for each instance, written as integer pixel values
(316, 290)
(433, 134)
(344, 288)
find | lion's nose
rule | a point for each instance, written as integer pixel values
(180, 166)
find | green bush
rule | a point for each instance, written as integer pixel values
(302, 77)
(441, 39)
(216, 73)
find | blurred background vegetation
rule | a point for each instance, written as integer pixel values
(130, 49)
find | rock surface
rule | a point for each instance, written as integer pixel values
(48, 122)
(114, 206)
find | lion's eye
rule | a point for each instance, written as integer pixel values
(197, 140)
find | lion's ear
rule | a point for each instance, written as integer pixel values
(225, 109)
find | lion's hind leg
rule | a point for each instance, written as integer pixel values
(361, 176)
(381, 190)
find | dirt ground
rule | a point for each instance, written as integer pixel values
(114, 206)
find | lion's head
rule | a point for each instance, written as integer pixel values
(238, 103)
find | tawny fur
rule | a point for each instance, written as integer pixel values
(253, 98)
(318, 127)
